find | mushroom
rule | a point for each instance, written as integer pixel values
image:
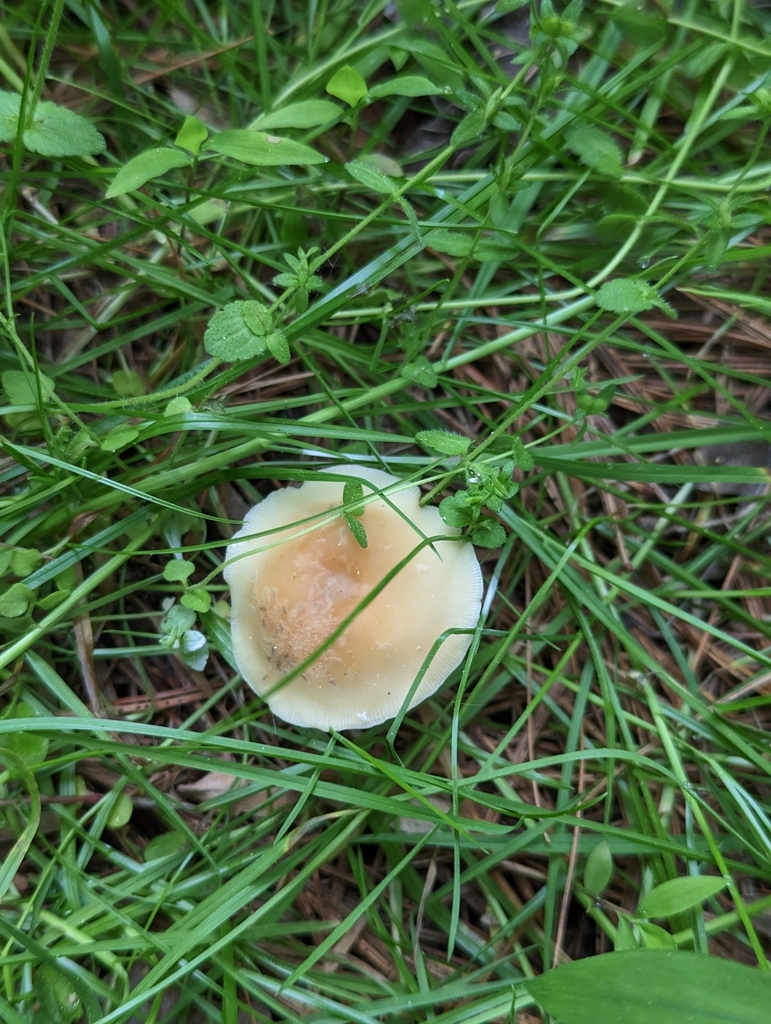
(297, 573)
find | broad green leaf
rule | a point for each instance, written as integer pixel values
(164, 845)
(454, 512)
(598, 869)
(30, 747)
(371, 178)
(56, 131)
(198, 599)
(263, 150)
(488, 534)
(443, 441)
(624, 936)
(454, 243)
(347, 85)
(192, 133)
(22, 388)
(16, 600)
(128, 383)
(649, 986)
(178, 406)
(25, 561)
(679, 894)
(307, 114)
(405, 85)
(142, 168)
(596, 149)
(119, 437)
(178, 570)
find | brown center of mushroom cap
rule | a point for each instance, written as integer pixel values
(312, 583)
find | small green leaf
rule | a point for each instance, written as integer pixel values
(420, 372)
(178, 406)
(24, 561)
(488, 534)
(454, 243)
(624, 936)
(140, 169)
(357, 529)
(5, 560)
(371, 178)
(278, 347)
(307, 114)
(596, 149)
(470, 128)
(120, 811)
(404, 85)
(194, 650)
(455, 512)
(16, 600)
(237, 331)
(60, 1001)
(10, 105)
(347, 85)
(679, 894)
(598, 869)
(353, 496)
(128, 383)
(626, 296)
(165, 845)
(443, 441)
(56, 131)
(177, 621)
(192, 133)
(178, 570)
(22, 388)
(52, 600)
(655, 937)
(521, 455)
(31, 747)
(119, 437)
(263, 150)
(198, 599)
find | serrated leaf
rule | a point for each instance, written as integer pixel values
(128, 383)
(56, 131)
(192, 133)
(488, 534)
(119, 437)
(10, 105)
(24, 561)
(307, 114)
(142, 168)
(595, 148)
(649, 986)
(198, 599)
(347, 85)
(16, 600)
(454, 243)
(626, 296)
(22, 388)
(679, 894)
(454, 513)
(371, 178)
(598, 869)
(357, 529)
(231, 334)
(405, 85)
(263, 150)
(353, 495)
(178, 570)
(443, 441)
(420, 372)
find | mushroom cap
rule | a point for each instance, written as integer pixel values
(294, 585)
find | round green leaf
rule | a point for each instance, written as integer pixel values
(598, 870)
(24, 561)
(347, 85)
(150, 164)
(178, 406)
(165, 845)
(128, 383)
(120, 812)
(178, 570)
(16, 600)
(263, 150)
(488, 534)
(31, 747)
(119, 437)
(231, 333)
(197, 600)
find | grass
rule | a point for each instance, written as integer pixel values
(615, 703)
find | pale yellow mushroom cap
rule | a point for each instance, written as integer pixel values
(288, 598)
